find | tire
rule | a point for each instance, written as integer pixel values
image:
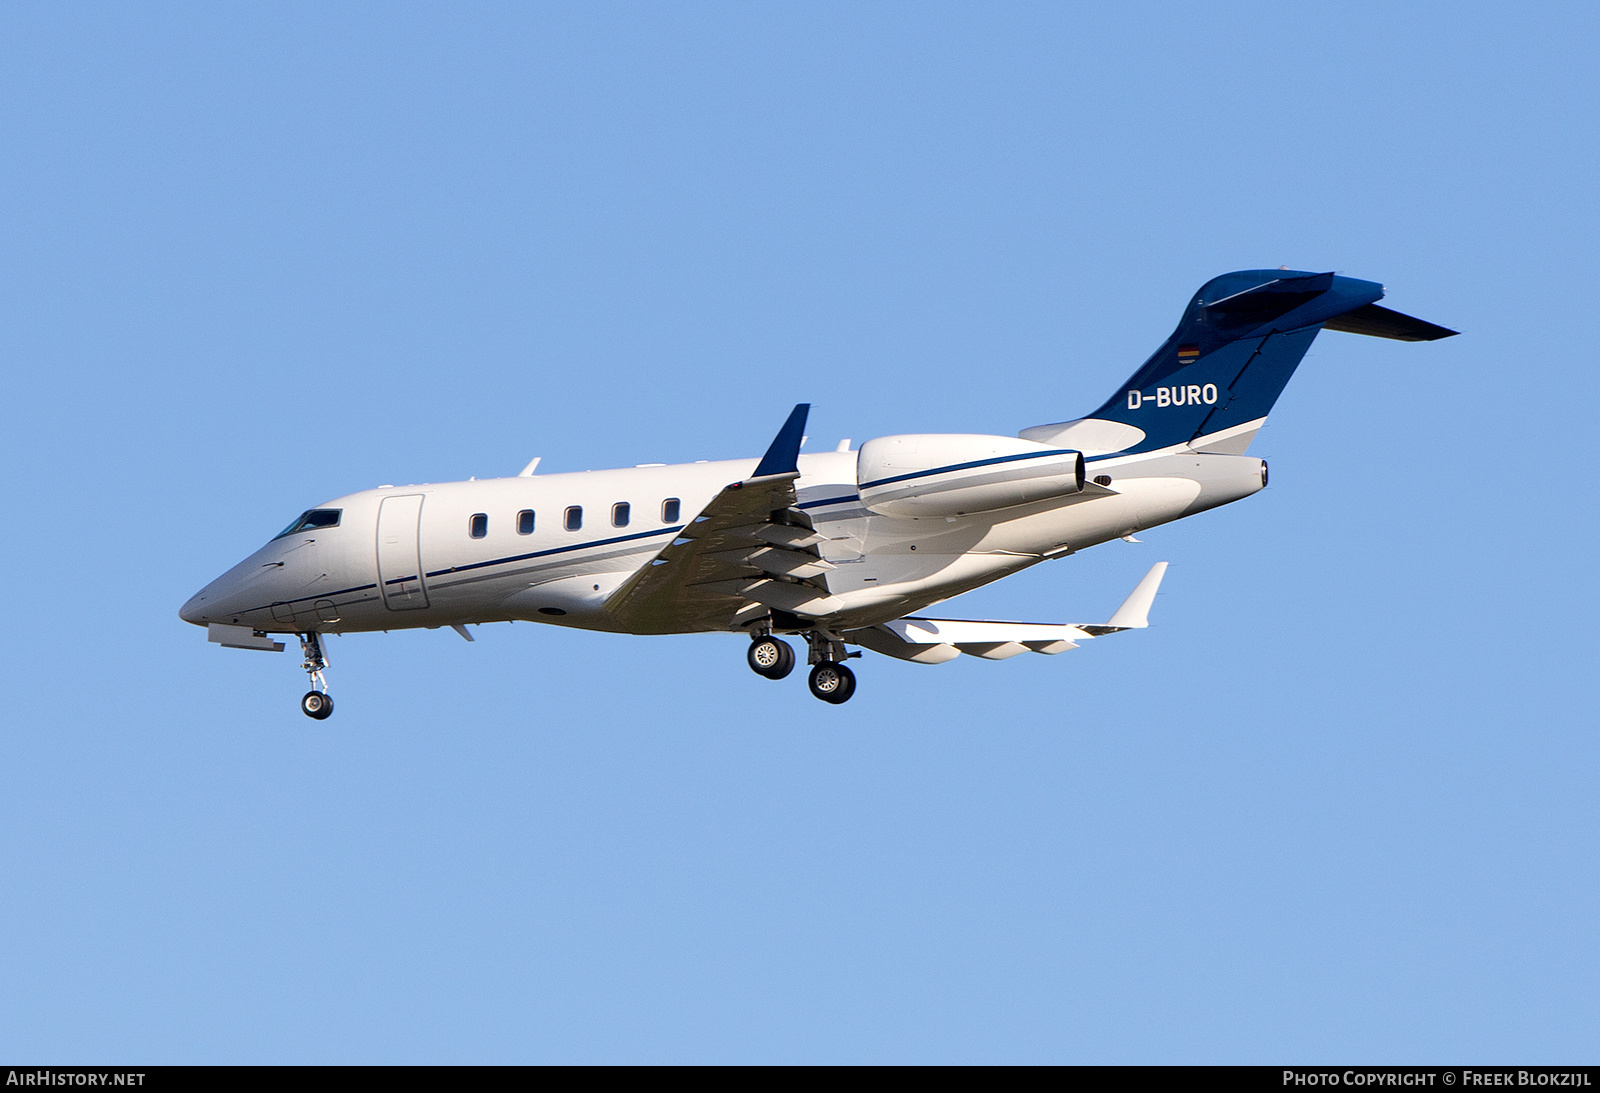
(317, 705)
(770, 657)
(833, 683)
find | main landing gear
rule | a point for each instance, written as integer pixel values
(770, 657)
(830, 680)
(317, 702)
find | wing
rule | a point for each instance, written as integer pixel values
(749, 551)
(934, 641)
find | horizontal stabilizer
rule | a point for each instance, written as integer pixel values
(1263, 303)
(1380, 322)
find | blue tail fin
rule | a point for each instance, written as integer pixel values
(1241, 338)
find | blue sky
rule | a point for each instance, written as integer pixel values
(1337, 803)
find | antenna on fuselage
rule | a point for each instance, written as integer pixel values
(527, 472)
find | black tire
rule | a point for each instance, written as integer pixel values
(770, 657)
(316, 704)
(833, 683)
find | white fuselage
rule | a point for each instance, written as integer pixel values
(407, 556)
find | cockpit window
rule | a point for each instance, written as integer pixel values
(312, 519)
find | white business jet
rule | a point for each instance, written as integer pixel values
(840, 548)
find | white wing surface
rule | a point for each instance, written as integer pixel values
(933, 641)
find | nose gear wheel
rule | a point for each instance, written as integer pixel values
(317, 704)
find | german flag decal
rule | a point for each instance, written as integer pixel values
(1188, 354)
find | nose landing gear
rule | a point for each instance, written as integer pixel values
(317, 702)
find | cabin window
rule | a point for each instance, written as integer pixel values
(1102, 480)
(478, 526)
(525, 522)
(574, 518)
(620, 512)
(312, 520)
(669, 510)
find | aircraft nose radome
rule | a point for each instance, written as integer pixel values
(195, 610)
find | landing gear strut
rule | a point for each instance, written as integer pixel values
(830, 680)
(317, 702)
(772, 657)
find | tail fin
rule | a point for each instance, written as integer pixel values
(1211, 384)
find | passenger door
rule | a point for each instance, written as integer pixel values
(399, 554)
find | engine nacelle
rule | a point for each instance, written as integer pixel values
(951, 474)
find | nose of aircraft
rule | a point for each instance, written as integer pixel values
(275, 572)
(210, 604)
(195, 609)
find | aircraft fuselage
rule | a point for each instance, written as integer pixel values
(430, 564)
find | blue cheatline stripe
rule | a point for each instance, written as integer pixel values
(557, 550)
(829, 501)
(479, 565)
(966, 466)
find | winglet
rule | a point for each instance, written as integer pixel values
(1135, 610)
(784, 455)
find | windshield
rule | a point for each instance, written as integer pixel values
(312, 518)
